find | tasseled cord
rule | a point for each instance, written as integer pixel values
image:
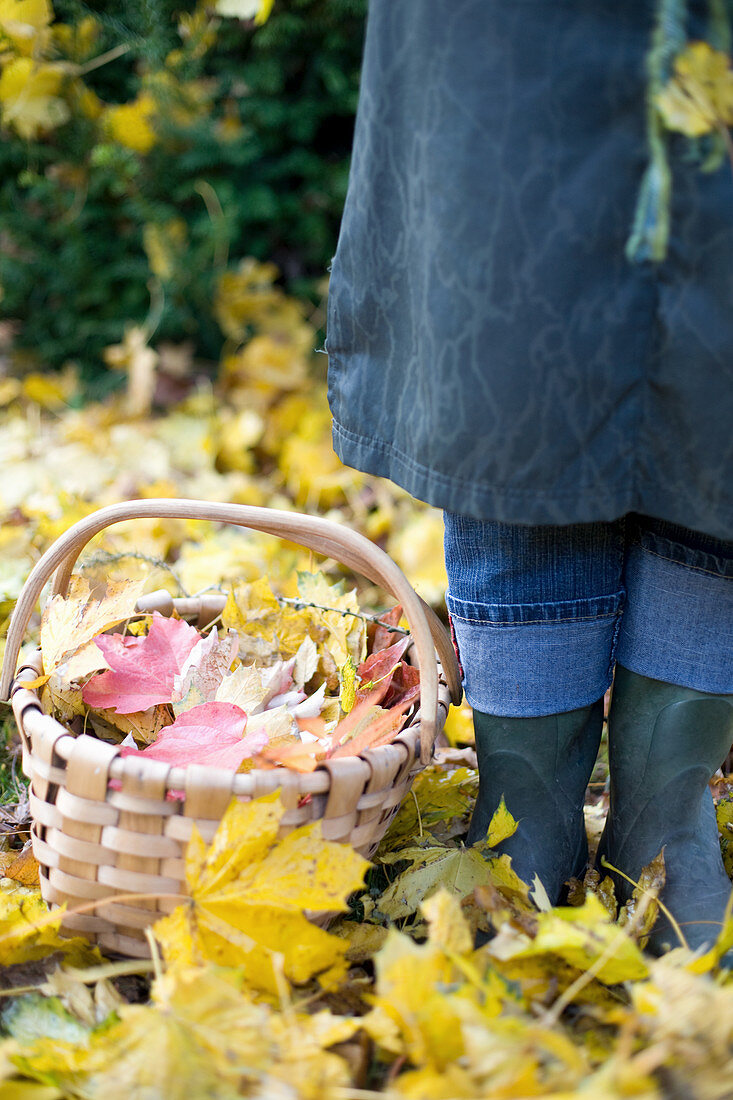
(650, 230)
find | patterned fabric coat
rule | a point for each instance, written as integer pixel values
(491, 349)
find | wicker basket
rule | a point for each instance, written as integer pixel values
(94, 842)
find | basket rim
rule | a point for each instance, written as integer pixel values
(29, 713)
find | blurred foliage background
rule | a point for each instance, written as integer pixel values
(172, 175)
(149, 146)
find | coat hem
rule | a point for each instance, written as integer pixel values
(510, 505)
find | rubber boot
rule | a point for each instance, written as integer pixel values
(665, 744)
(541, 766)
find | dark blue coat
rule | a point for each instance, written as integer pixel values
(491, 349)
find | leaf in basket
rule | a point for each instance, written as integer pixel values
(70, 624)
(377, 727)
(299, 756)
(346, 634)
(266, 630)
(382, 664)
(383, 635)
(142, 671)
(404, 686)
(144, 725)
(250, 891)
(211, 733)
(207, 664)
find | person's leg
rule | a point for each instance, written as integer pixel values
(534, 612)
(671, 723)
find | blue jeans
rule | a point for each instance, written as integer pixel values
(540, 615)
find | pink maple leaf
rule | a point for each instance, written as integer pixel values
(210, 733)
(142, 671)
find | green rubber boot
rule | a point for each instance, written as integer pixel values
(665, 743)
(541, 766)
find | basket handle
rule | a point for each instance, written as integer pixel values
(320, 535)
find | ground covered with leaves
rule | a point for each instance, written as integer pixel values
(244, 995)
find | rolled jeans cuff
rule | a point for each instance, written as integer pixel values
(529, 660)
(678, 622)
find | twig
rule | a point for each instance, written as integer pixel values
(297, 605)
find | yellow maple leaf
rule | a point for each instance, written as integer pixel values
(585, 936)
(28, 931)
(70, 624)
(30, 96)
(249, 892)
(346, 632)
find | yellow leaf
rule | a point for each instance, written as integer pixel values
(20, 866)
(29, 96)
(458, 870)
(699, 97)
(70, 624)
(347, 675)
(25, 23)
(346, 633)
(449, 929)
(459, 726)
(165, 246)
(131, 124)
(53, 393)
(438, 796)
(584, 936)
(249, 892)
(28, 931)
(502, 825)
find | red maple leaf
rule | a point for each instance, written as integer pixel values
(210, 733)
(142, 670)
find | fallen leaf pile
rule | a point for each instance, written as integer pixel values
(251, 999)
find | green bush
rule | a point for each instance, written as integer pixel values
(232, 141)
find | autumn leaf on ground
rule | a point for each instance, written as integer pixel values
(249, 891)
(211, 733)
(501, 826)
(142, 671)
(70, 625)
(584, 936)
(20, 866)
(440, 798)
(640, 912)
(28, 931)
(457, 870)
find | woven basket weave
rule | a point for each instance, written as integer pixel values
(94, 842)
